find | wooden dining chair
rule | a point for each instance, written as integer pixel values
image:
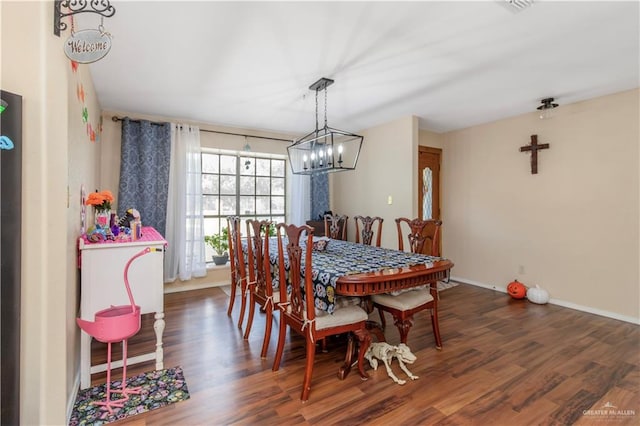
(261, 292)
(238, 267)
(232, 269)
(335, 226)
(297, 307)
(423, 235)
(367, 229)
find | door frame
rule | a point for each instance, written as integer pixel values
(437, 191)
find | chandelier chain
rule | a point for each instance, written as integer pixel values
(317, 111)
(325, 106)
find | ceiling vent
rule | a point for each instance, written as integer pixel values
(517, 5)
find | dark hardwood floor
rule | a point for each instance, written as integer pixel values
(504, 362)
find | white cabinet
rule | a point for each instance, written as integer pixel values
(102, 285)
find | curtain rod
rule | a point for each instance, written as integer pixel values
(115, 119)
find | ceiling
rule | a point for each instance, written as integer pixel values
(452, 64)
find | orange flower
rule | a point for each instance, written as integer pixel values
(100, 200)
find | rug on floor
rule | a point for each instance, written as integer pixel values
(159, 388)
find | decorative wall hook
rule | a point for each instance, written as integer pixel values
(101, 7)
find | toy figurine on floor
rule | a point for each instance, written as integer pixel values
(386, 352)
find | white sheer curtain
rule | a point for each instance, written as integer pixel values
(185, 256)
(300, 209)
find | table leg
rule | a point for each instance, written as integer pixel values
(375, 328)
(344, 370)
(85, 360)
(158, 327)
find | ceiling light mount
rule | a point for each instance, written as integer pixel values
(325, 150)
(518, 5)
(546, 107)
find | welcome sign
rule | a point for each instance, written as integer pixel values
(87, 46)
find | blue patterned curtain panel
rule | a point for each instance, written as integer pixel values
(144, 171)
(319, 196)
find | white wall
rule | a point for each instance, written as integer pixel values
(573, 227)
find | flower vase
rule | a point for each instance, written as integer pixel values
(102, 218)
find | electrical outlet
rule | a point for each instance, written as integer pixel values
(390, 200)
(521, 269)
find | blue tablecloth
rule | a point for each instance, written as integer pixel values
(344, 258)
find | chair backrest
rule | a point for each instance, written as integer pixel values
(292, 294)
(335, 226)
(367, 229)
(258, 255)
(423, 235)
(238, 269)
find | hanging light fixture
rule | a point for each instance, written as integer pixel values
(546, 108)
(247, 149)
(326, 149)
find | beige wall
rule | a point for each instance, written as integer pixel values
(84, 169)
(386, 168)
(573, 227)
(34, 66)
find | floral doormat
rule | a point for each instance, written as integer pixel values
(159, 388)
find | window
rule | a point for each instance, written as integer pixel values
(249, 187)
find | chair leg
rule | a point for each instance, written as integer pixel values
(404, 325)
(436, 328)
(364, 340)
(308, 371)
(281, 337)
(383, 323)
(346, 367)
(252, 309)
(267, 331)
(232, 298)
(243, 303)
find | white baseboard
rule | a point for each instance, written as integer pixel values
(557, 302)
(187, 287)
(74, 395)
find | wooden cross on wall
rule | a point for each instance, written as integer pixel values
(534, 147)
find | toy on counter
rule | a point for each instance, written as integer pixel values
(130, 216)
(127, 227)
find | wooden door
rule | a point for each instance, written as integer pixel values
(429, 183)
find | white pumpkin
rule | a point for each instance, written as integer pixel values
(538, 295)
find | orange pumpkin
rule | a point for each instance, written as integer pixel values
(517, 290)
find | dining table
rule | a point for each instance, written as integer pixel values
(345, 268)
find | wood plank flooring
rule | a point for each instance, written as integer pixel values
(504, 362)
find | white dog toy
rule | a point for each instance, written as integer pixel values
(385, 353)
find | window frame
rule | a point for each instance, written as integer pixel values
(240, 158)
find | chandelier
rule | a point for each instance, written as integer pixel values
(326, 149)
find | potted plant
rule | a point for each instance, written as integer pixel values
(220, 244)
